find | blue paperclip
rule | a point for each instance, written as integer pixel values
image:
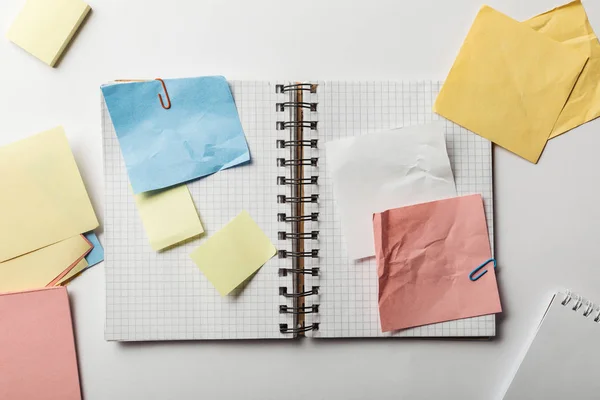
(474, 278)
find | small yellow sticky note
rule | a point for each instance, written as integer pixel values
(44, 266)
(569, 25)
(169, 216)
(509, 83)
(76, 270)
(44, 28)
(43, 197)
(233, 254)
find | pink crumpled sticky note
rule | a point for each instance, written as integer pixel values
(425, 254)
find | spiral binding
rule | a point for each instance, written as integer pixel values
(312, 143)
(296, 104)
(283, 217)
(282, 162)
(283, 328)
(303, 271)
(296, 87)
(295, 165)
(281, 125)
(282, 180)
(283, 292)
(313, 198)
(314, 253)
(314, 235)
(576, 302)
(283, 309)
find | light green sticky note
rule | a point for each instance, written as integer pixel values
(233, 254)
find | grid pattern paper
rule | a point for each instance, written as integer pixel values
(349, 289)
(163, 295)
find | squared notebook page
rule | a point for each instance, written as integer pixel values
(163, 295)
(348, 289)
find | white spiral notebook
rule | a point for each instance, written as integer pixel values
(562, 361)
(311, 287)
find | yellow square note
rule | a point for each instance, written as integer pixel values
(43, 197)
(233, 254)
(169, 216)
(45, 27)
(509, 83)
(44, 266)
(569, 25)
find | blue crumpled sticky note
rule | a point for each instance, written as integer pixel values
(96, 255)
(199, 135)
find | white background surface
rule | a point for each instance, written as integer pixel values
(547, 215)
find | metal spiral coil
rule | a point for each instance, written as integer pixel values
(303, 271)
(314, 253)
(296, 104)
(312, 143)
(283, 217)
(281, 125)
(576, 302)
(310, 87)
(282, 198)
(283, 309)
(298, 218)
(283, 328)
(283, 292)
(313, 235)
(313, 161)
(282, 180)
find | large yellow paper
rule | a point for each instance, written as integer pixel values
(44, 28)
(233, 254)
(39, 268)
(76, 270)
(43, 197)
(569, 25)
(509, 83)
(169, 216)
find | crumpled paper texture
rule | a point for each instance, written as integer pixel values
(569, 25)
(199, 135)
(425, 253)
(374, 172)
(509, 83)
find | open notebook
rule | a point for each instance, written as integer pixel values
(312, 287)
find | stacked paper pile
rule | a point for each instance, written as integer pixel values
(520, 84)
(46, 234)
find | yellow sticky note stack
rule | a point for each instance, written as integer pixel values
(169, 216)
(43, 267)
(44, 28)
(509, 83)
(233, 254)
(569, 25)
(76, 270)
(44, 199)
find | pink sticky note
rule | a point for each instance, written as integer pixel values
(425, 254)
(37, 350)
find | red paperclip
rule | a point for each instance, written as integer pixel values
(166, 95)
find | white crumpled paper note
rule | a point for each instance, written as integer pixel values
(376, 172)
